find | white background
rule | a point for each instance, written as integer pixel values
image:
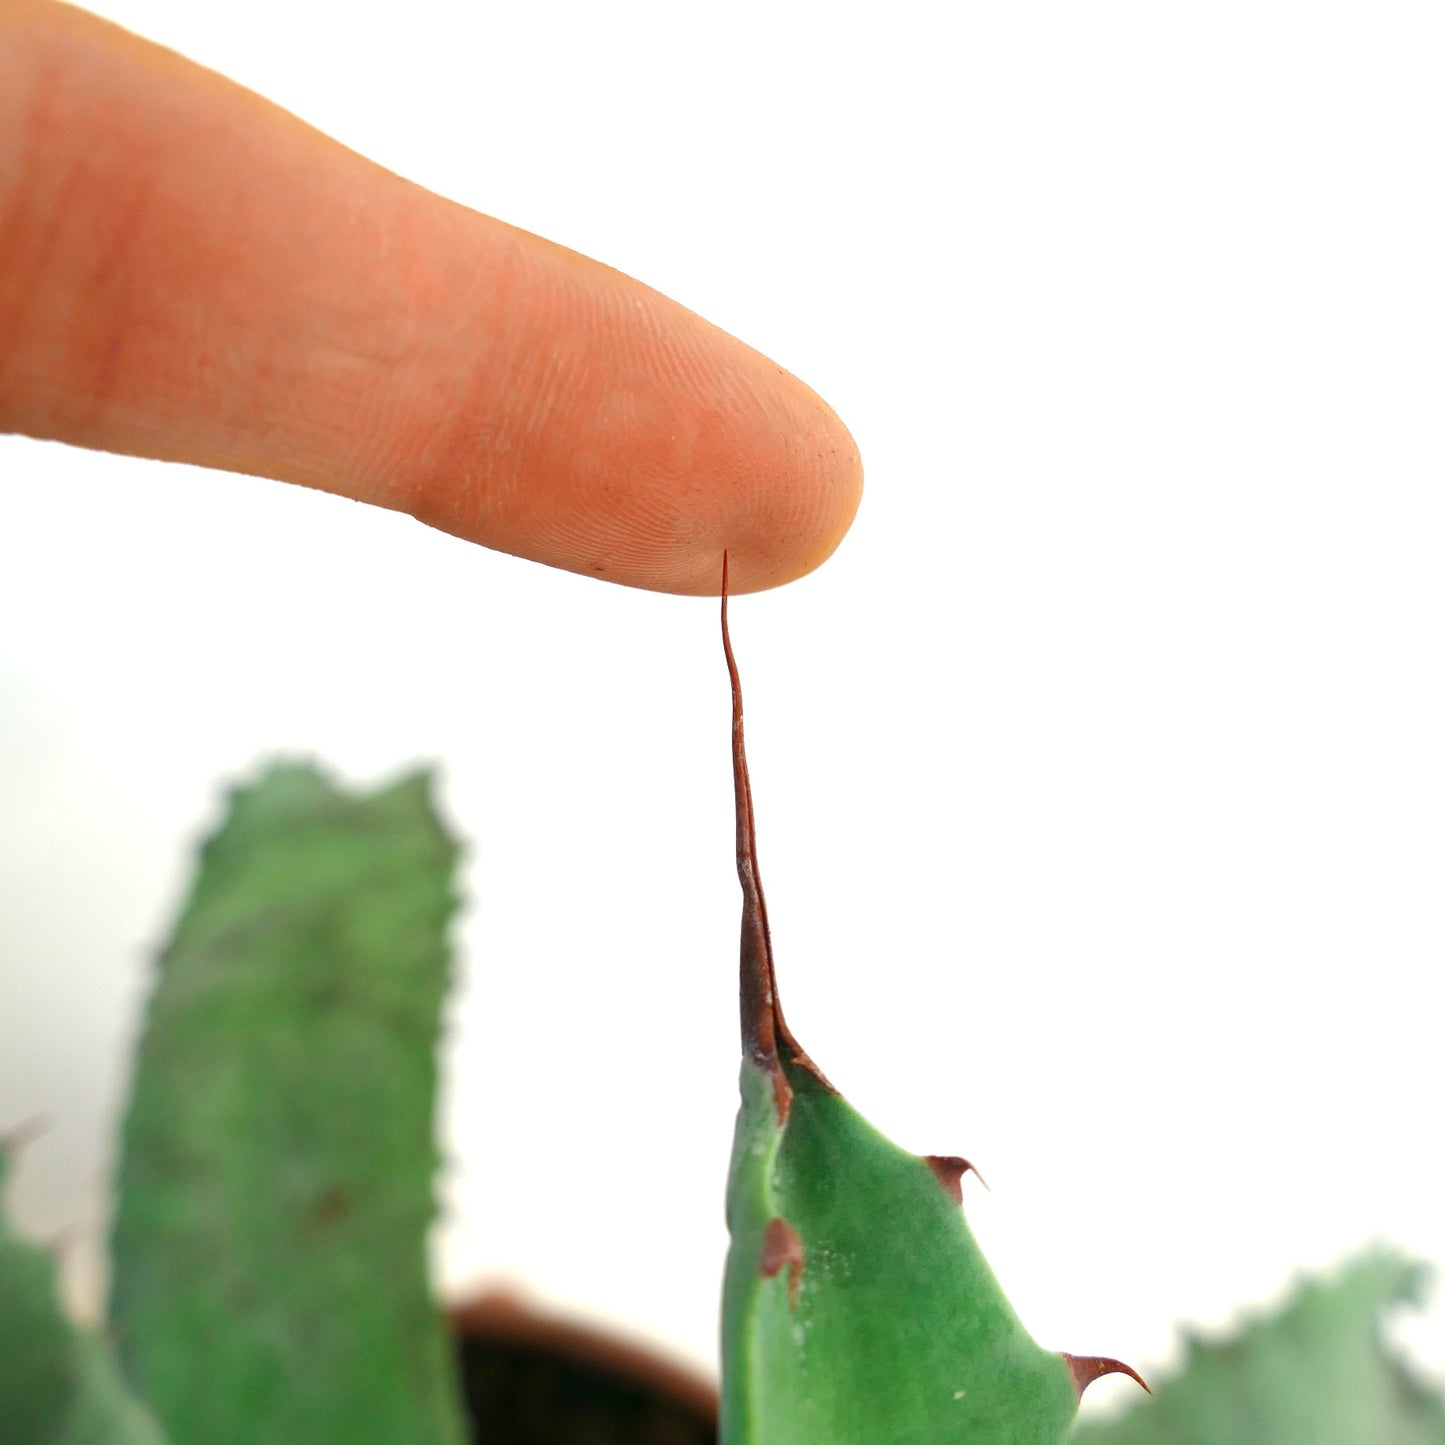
(1101, 774)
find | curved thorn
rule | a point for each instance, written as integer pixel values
(1087, 1368)
(949, 1170)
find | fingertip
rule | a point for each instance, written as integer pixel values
(638, 441)
(192, 274)
(802, 503)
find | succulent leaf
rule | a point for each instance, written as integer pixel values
(857, 1308)
(58, 1383)
(276, 1184)
(1315, 1372)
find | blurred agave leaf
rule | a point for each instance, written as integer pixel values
(58, 1384)
(276, 1182)
(1316, 1372)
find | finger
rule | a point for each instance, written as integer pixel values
(189, 273)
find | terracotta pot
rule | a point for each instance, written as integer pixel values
(533, 1379)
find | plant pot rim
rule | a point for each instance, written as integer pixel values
(503, 1316)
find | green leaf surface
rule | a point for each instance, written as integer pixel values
(58, 1384)
(276, 1184)
(857, 1307)
(1316, 1372)
(876, 1320)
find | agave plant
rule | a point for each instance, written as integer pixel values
(276, 1187)
(857, 1307)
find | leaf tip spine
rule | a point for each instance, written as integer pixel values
(949, 1170)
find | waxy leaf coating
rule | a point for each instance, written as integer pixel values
(886, 1326)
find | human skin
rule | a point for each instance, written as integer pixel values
(190, 273)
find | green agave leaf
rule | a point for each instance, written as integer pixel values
(857, 1307)
(1316, 1372)
(58, 1384)
(270, 1269)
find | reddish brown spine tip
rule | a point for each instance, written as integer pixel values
(949, 1170)
(782, 1249)
(1087, 1368)
(763, 1025)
